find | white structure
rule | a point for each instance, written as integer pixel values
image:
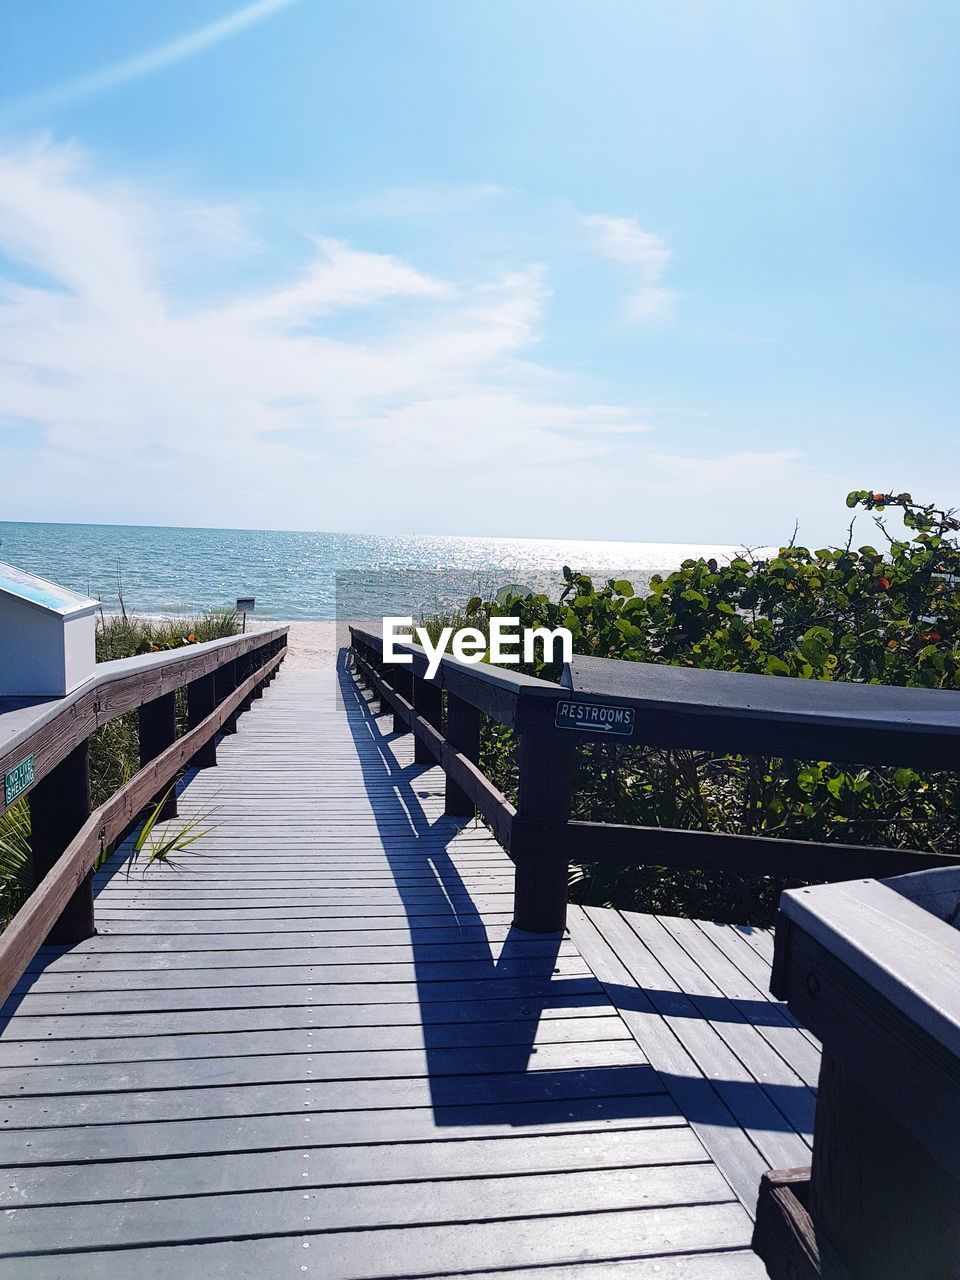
(47, 636)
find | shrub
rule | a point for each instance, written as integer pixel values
(889, 615)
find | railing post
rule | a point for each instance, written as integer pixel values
(202, 702)
(256, 659)
(376, 661)
(540, 883)
(158, 730)
(403, 683)
(225, 681)
(428, 703)
(59, 806)
(462, 732)
(243, 669)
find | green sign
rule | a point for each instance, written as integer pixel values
(18, 779)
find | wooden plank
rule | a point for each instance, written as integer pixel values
(333, 1166)
(797, 860)
(696, 1097)
(453, 1249)
(784, 1236)
(768, 1019)
(369, 1126)
(321, 1038)
(332, 987)
(369, 949)
(747, 1100)
(71, 1026)
(790, 1093)
(277, 1098)
(165, 980)
(433, 1061)
(33, 921)
(186, 1220)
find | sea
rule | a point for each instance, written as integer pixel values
(296, 575)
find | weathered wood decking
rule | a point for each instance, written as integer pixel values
(321, 1050)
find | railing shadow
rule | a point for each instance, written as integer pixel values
(500, 1073)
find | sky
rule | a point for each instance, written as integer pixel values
(659, 270)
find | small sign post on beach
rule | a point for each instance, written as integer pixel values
(245, 605)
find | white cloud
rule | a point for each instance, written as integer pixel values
(645, 256)
(361, 393)
(341, 277)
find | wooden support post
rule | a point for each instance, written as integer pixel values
(540, 882)
(402, 681)
(877, 1198)
(202, 702)
(257, 659)
(783, 1234)
(463, 732)
(385, 672)
(59, 806)
(225, 681)
(243, 670)
(158, 730)
(428, 703)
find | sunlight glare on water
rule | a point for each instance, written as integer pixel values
(294, 575)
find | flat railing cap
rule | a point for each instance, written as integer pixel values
(745, 696)
(904, 951)
(21, 718)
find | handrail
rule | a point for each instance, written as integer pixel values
(221, 678)
(909, 727)
(49, 729)
(39, 914)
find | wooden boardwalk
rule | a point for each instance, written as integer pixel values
(319, 1049)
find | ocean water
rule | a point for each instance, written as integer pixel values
(312, 575)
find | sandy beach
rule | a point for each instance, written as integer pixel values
(312, 645)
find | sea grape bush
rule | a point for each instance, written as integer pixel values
(886, 614)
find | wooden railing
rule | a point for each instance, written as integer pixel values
(873, 970)
(52, 737)
(656, 706)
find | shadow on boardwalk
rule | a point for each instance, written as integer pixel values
(508, 986)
